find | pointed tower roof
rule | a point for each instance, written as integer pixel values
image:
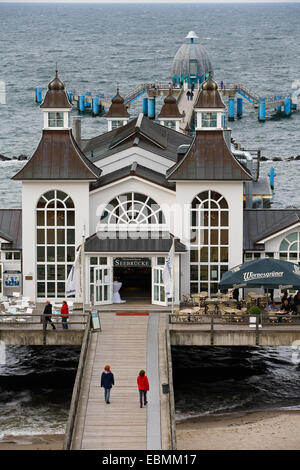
(169, 109)
(58, 157)
(56, 96)
(117, 108)
(208, 158)
(209, 96)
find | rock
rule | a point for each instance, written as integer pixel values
(264, 159)
(22, 157)
(277, 159)
(3, 158)
(298, 157)
(289, 159)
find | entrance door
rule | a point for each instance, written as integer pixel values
(158, 288)
(103, 285)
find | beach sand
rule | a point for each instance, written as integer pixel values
(38, 442)
(278, 430)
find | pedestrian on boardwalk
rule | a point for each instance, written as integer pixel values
(192, 86)
(188, 94)
(47, 315)
(143, 386)
(64, 313)
(192, 95)
(221, 84)
(107, 381)
(183, 116)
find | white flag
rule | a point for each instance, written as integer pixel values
(74, 275)
(168, 274)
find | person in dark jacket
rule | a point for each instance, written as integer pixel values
(47, 315)
(143, 386)
(107, 381)
(297, 303)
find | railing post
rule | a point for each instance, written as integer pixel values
(212, 330)
(257, 331)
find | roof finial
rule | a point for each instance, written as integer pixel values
(56, 71)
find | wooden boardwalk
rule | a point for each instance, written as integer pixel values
(187, 106)
(123, 424)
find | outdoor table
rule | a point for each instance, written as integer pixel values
(186, 310)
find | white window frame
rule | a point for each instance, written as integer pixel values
(213, 207)
(54, 264)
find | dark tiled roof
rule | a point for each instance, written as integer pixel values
(117, 107)
(11, 228)
(261, 223)
(136, 170)
(208, 158)
(141, 132)
(209, 96)
(58, 157)
(155, 245)
(56, 96)
(169, 108)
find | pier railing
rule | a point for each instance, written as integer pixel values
(77, 386)
(267, 319)
(238, 322)
(37, 320)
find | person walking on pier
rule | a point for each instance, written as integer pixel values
(107, 381)
(143, 386)
(47, 315)
(64, 313)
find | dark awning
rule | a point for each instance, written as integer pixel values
(94, 244)
(268, 273)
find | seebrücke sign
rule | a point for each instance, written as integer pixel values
(132, 262)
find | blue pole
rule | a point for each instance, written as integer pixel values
(262, 111)
(151, 108)
(145, 106)
(95, 107)
(231, 109)
(239, 107)
(287, 106)
(272, 177)
(38, 95)
(278, 108)
(81, 103)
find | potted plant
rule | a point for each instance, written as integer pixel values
(254, 310)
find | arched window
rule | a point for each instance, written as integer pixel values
(55, 237)
(132, 210)
(290, 248)
(209, 242)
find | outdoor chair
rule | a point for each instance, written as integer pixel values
(273, 318)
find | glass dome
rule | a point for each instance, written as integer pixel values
(191, 61)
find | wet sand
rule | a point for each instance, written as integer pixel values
(278, 430)
(38, 442)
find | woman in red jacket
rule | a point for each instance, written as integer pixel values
(64, 313)
(143, 386)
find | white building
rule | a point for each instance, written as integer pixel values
(131, 191)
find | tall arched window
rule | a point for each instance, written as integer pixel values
(132, 210)
(209, 242)
(55, 235)
(290, 248)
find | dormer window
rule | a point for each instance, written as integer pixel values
(55, 119)
(209, 119)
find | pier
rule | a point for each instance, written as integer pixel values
(280, 102)
(131, 338)
(284, 103)
(128, 341)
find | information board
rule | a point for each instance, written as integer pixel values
(96, 320)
